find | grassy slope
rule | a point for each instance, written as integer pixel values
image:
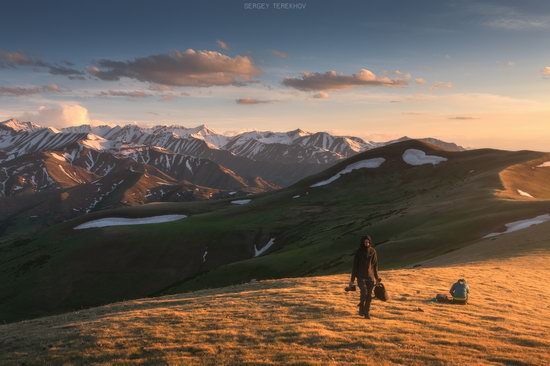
(312, 321)
(413, 213)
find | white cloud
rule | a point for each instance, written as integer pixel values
(420, 81)
(321, 95)
(442, 85)
(280, 54)
(331, 80)
(546, 71)
(61, 115)
(222, 44)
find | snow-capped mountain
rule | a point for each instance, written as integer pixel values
(61, 174)
(18, 126)
(79, 169)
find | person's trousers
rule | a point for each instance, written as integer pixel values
(366, 286)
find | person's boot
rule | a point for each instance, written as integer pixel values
(366, 315)
(361, 309)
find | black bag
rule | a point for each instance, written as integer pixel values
(380, 292)
(442, 298)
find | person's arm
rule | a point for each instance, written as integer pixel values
(354, 269)
(452, 290)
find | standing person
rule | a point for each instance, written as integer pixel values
(365, 270)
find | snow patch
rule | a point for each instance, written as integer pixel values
(369, 163)
(522, 224)
(58, 157)
(262, 250)
(418, 157)
(524, 194)
(241, 202)
(297, 196)
(119, 221)
(96, 142)
(544, 165)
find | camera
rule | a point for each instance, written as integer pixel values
(350, 288)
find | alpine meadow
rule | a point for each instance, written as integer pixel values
(295, 183)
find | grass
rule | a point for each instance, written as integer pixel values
(414, 213)
(312, 321)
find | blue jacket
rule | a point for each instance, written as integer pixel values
(460, 290)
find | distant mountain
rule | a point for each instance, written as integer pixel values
(107, 166)
(449, 146)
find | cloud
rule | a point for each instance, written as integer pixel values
(124, 93)
(65, 71)
(462, 117)
(321, 95)
(16, 91)
(222, 44)
(252, 101)
(546, 71)
(280, 54)
(187, 68)
(14, 60)
(420, 81)
(161, 88)
(511, 18)
(519, 22)
(442, 85)
(61, 115)
(331, 80)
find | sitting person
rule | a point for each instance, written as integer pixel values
(460, 291)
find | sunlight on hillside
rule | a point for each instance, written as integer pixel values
(313, 321)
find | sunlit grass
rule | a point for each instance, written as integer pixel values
(313, 321)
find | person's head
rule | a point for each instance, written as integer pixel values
(366, 241)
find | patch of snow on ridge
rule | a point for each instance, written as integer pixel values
(58, 157)
(241, 202)
(418, 157)
(369, 163)
(96, 142)
(119, 221)
(262, 250)
(522, 224)
(524, 194)
(544, 165)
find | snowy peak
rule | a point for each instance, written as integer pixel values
(18, 126)
(268, 137)
(98, 143)
(77, 129)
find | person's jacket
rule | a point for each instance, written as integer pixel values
(460, 290)
(365, 264)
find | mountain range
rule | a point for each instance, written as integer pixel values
(417, 200)
(75, 170)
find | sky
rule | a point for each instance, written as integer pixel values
(473, 72)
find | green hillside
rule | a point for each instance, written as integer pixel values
(413, 213)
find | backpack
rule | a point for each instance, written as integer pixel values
(380, 292)
(442, 298)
